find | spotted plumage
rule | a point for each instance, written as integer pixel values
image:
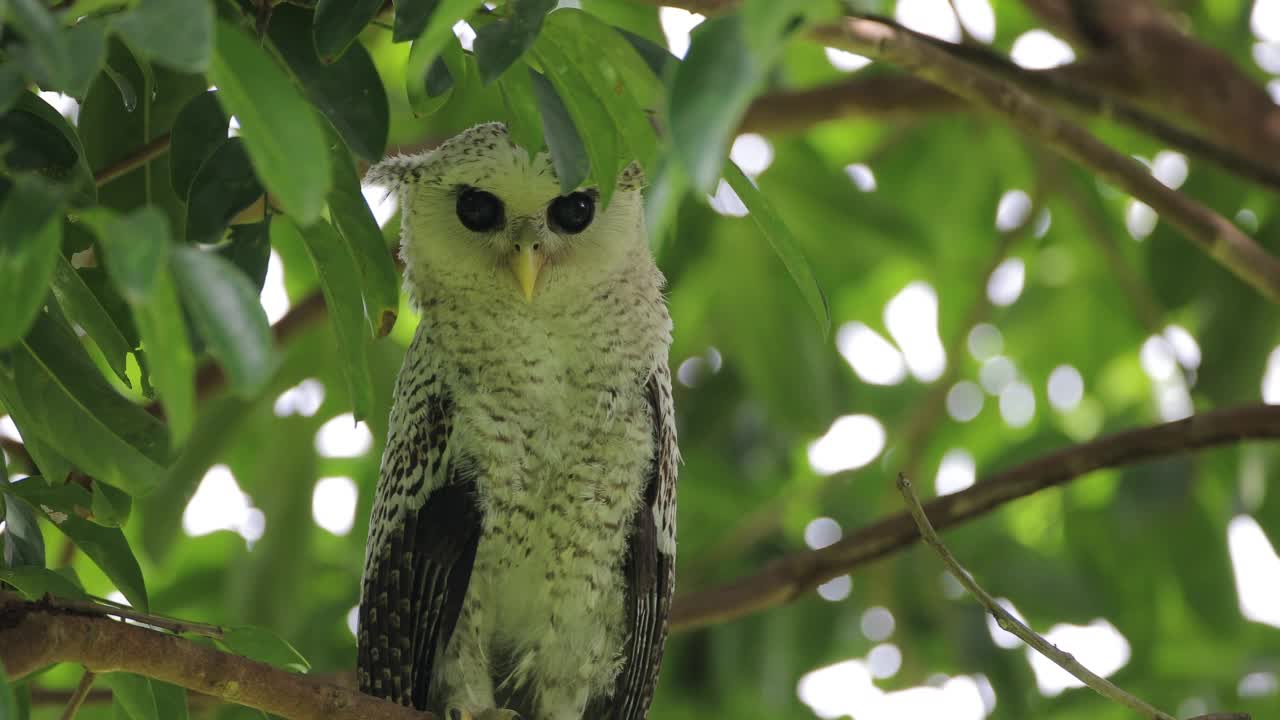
(522, 543)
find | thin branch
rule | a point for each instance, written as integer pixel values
(1217, 236)
(78, 695)
(794, 575)
(136, 159)
(1010, 623)
(33, 636)
(106, 608)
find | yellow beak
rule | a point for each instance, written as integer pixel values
(526, 263)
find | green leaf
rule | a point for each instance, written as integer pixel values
(39, 139)
(348, 91)
(84, 308)
(499, 44)
(29, 251)
(23, 543)
(137, 251)
(568, 151)
(47, 52)
(224, 187)
(428, 81)
(767, 22)
(134, 694)
(433, 35)
(48, 460)
(198, 131)
(373, 261)
(525, 124)
(8, 700)
(106, 546)
(174, 33)
(590, 117)
(11, 85)
(617, 76)
(36, 582)
(709, 95)
(783, 243)
(70, 406)
(249, 249)
(338, 22)
(264, 646)
(341, 289)
(228, 315)
(110, 505)
(278, 126)
(87, 41)
(171, 700)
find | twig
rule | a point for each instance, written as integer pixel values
(102, 607)
(34, 636)
(1217, 236)
(1011, 624)
(136, 159)
(78, 696)
(794, 575)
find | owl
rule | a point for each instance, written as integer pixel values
(521, 550)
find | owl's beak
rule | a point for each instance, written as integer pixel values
(526, 263)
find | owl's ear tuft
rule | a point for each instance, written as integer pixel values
(632, 177)
(396, 172)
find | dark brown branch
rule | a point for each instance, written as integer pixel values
(1159, 63)
(1217, 236)
(33, 636)
(792, 576)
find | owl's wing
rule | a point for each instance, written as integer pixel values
(422, 543)
(649, 571)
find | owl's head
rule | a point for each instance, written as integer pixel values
(478, 212)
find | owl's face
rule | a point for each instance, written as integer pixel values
(477, 211)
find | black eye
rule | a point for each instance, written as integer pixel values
(572, 213)
(478, 210)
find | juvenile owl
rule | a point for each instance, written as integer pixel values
(522, 544)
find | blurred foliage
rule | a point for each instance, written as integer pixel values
(162, 261)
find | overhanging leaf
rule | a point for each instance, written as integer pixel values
(46, 45)
(564, 142)
(134, 694)
(348, 90)
(175, 33)
(783, 243)
(198, 131)
(379, 281)
(338, 22)
(39, 139)
(341, 289)
(84, 308)
(29, 251)
(525, 123)
(429, 21)
(279, 127)
(36, 582)
(137, 250)
(223, 187)
(429, 82)
(106, 546)
(228, 315)
(71, 407)
(23, 543)
(499, 44)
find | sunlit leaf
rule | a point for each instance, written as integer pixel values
(429, 81)
(279, 128)
(85, 309)
(525, 123)
(429, 21)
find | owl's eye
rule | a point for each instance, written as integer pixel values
(478, 210)
(572, 213)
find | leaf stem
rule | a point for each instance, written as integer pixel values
(78, 696)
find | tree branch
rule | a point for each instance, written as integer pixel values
(1217, 236)
(34, 635)
(791, 576)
